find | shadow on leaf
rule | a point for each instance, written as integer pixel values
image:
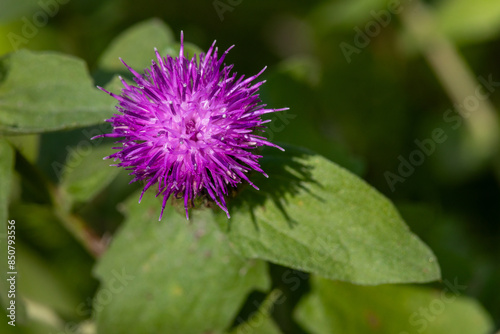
(288, 175)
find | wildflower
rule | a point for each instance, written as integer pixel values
(190, 126)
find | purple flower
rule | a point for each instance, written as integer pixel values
(190, 126)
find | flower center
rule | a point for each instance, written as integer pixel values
(191, 130)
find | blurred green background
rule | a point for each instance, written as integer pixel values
(364, 80)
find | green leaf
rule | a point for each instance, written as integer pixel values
(85, 180)
(46, 91)
(136, 46)
(469, 21)
(335, 307)
(173, 276)
(315, 216)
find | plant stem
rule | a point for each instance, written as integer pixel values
(456, 77)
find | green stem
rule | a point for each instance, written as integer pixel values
(455, 76)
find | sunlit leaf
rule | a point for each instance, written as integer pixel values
(315, 216)
(186, 272)
(46, 91)
(136, 46)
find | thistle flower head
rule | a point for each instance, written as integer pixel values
(189, 127)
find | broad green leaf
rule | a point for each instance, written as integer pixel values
(173, 276)
(336, 307)
(83, 180)
(6, 167)
(136, 46)
(46, 91)
(469, 21)
(315, 216)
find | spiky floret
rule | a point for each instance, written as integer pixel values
(189, 126)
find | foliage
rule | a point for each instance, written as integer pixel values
(381, 216)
